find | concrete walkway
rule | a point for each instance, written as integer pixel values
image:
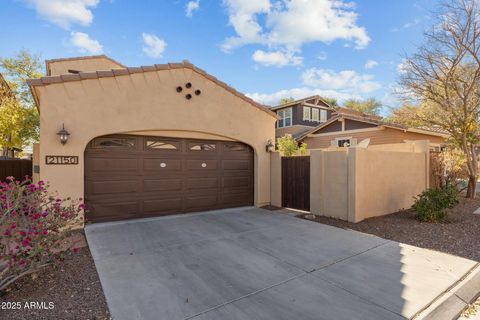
(249, 263)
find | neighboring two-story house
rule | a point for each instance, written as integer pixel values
(313, 121)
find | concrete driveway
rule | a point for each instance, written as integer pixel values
(249, 263)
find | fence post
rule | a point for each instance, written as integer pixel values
(317, 196)
(276, 179)
(352, 184)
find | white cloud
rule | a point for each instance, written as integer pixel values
(192, 6)
(347, 81)
(371, 64)
(341, 85)
(272, 99)
(85, 44)
(153, 46)
(322, 56)
(64, 13)
(276, 58)
(290, 24)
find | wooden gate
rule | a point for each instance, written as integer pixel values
(296, 183)
(17, 168)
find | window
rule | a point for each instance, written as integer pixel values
(306, 113)
(315, 115)
(114, 143)
(234, 147)
(202, 146)
(153, 144)
(343, 143)
(285, 118)
(323, 115)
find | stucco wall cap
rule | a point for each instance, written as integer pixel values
(148, 68)
(162, 67)
(48, 80)
(87, 75)
(134, 70)
(70, 77)
(105, 73)
(120, 72)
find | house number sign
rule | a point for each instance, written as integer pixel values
(61, 159)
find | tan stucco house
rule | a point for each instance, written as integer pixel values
(313, 121)
(150, 140)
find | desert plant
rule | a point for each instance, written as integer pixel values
(34, 227)
(289, 147)
(432, 204)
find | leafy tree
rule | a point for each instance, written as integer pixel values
(370, 106)
(331, 101)
(289, 147)
(17, 70)
(19, 119)
(444, 77)
(408, 115)
(286, 100)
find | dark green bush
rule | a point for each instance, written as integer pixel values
(432, 204)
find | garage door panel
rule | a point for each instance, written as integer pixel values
(236, 165)
(200, 202)
(165, 176)
(162, 165)
(237, 199)
(202, 183)
(113, 187)
(122, 165)
(202, 165)
(236, 182)
(162, 206)
(162, 185)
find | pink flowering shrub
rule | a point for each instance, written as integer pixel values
(34, 227)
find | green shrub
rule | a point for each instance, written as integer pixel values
(432, 204)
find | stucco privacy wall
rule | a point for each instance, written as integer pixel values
(357, 183)
(329, 183)
(146, 101)
(386, 181)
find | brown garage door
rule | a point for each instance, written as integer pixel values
(137, 176)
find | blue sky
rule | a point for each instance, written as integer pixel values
(268, 49)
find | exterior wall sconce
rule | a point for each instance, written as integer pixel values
(63, 134)
(270, 147)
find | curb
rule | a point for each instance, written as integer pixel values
(457, 299)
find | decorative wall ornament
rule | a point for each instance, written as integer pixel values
(188, 87)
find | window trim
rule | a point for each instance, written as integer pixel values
(323, 116)
(309, 111)
(281, 114)
(337, 140)
(317, 112)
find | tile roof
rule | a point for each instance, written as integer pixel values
(132, 70)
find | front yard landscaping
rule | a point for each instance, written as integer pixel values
(458, 234)
(72, 286)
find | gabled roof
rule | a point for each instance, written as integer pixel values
(317, 98)
(132, 70)
(372, 120)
